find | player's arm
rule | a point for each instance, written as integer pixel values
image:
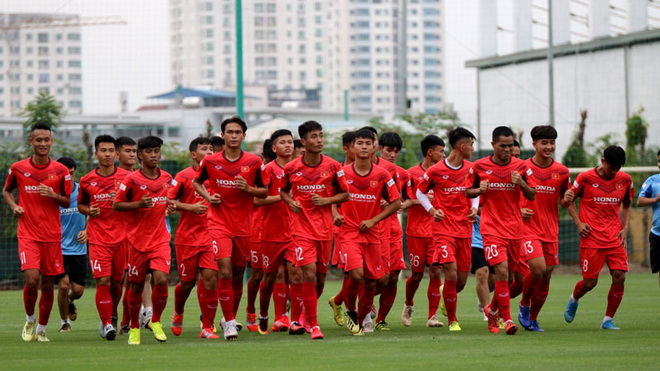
(83, 204)
(332, 200)
(528, 192)
(646, 197)
(287, 198)
(145, 202)
(583, 228)
(625, 213)
(267, 201)
(9, 199)
(46, 191)
(197, 208)
(198, 185)
(477, 186)
(392, 208)
(337, 217)
(258, 190)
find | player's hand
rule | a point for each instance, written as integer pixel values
(46, 191)
(384, 203)
(527, 213)
(405, 204)
(241, 183)
(623, 235)
(199, 208)
(94, 211)
(472, 216)
(483, 186)
(318, 200)
(113, 194)
(569, 196)
(366, 225)
(338, 220)
(584, 229)
(215, 199)
(18, 211)
(171, 207)
(82, 237)
(517, 179)
(295, 206)
(146, 201)
(437, 214)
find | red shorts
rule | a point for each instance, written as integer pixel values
(273, 254)
(420, 252)
(310, 251)
(125, 246)
(107, 260)
(158, 259)
(498, 250)
(536, 248)
(44, 256)
(191, 259)
(234, 247)
(255, 254)
(453, 250)
(397, 262)
(336, 252)
(593, 260)
(385, 255)
(363, 255)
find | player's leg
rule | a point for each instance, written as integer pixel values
(240, 256)
(654, 253)
(208, 297)
(64, 286)
(187, 267)
(309, 296)
(159, 299)
(295, 292)
(116, 280)
(103, 300)
(591, 261)
(253, 284)
(181, 294)
(617, 262)
(483, 293)
(280, 299)
(147, 310)
(532, 280)
(45, 304)
(356, 276)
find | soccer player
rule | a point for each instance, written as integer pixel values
(218, 144)
(106, 230)
(420, 236)
(606, 194)
(484, 280)
(43, 187)
(649, 195)
(194, 251)
(276, 242)
(453, 214)
(298, 149)
(501, 180)
(316, 182)
(515, 151)
(541, 229)
(368, 185)
(234, 180)
(142, 196)
(74, 253)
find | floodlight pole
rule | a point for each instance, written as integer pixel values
(551, 72)
(240, 110)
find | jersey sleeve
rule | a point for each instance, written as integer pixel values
(124, 193)
(426, 184)
(630, 194)
(10, 183)
(565, 183)
(578, 187)
(202, 173)
(83, 195)
(260, 181)
(339, 181)
(176, 189)
(473, 179)
(390, 191)
(286, 182)
(647, 191)
(528, 176)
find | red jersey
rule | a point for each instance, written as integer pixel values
(600, 202)
(420, 223)
(552, 182)
(366, 193)
(401, 179)
(145, 227)
(96, 190)
(325, 179)
(277, 216)
(448, 187)
(394, 230)
(41, 219)
(500, 213)
(233, 216)
(192, 228)
(257, 223)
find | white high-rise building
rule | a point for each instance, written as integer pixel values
(319, 49)
(39, 53)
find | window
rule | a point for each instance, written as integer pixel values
(210, 60)
(75, 77)
(209, 33)
(60, 64)
(208, 6)
(75, 104)
(43, 51)
(209, 46)
(74, 50)
(208, 19)
(44, 64)
(75, 90)
(73, 37)
(43, 37)
(60, 50)
(30, 77)
(28, 36)
(29, 50)
(75, 64)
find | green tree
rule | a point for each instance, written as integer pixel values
(576, 155)
(43, 109)
(636, 134)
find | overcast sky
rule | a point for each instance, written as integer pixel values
(135, 57)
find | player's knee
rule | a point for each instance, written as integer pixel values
(103, 281)
(618, 277)
(64, 285)
(417, 276)
(590, 284)
(77, 291)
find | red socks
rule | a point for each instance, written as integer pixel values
(579, 290)
(411, 289)
(296, 292)
(539, 296)
(530, 283)
(134, 303)
(367, 301)
(352, 290)
(387, 297)
(208, 304)
(30, 299)
(451, 299)
(614, 298)
(226, 298)
(310, 301)
(252, 292)
(45, 306)
(515, 288)
(433, 293)
(340, 297)
(501, 300)
(237, 288)
(265, 293)
(279, 299)
(180, 298)
(159, 298)
(104, 303)
(115, 292)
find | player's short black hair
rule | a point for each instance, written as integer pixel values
(543, 132)
(217, 141)
(280, 133)
(371, 129)
(104, 138)
(68, 162)
(267, 151)
(348, 138)
(308, 127)
(390, 139)
(658, 153)
(516, 144)
(502, 131)
(615, 156)
(297, 144)
(365, 134)
(458, 134)
(192, 147)
(429, 142)
(40, 126)
(233, 120)
(124, 141)
(149, 142)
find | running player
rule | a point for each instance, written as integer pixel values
(234, 180)
(218, 144)
(501, 180)
(74, 254)
(194, 251)
(541, 229)
(606, 194)
(420, 236)
(43, 186)
(515, 151)
(142, 196)
(453, 214)
(298, 149)
(368, 185)
(316, 182)
(106, 230)
(649, 195)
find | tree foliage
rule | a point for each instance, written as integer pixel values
(42, 109)
(636, 134)
(576, 155)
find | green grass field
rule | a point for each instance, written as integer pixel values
(580, 345)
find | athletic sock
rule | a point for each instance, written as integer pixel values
(411, 289)
(115, 293)
(319, 289)
(180, 298)
(279, 299)
(501, 295)
(201, 292)
(265, 292)
(579, 291)
(30, 295)
(614, 298)
(296, 300)
(252, 292)
(530, 284)
(104, 303)
(352, 290)
(159, 298)
(434, 296)
(45, 306)
(387, 297)
(226, 298)
(366, 302)
(451, 299)
(237, 289)
(340, 297)
(134, 304)
(208, 304)
(125, 315)
(310, 301)
(515, 288)
(538, 299)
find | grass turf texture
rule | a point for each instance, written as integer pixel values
(579, 345)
